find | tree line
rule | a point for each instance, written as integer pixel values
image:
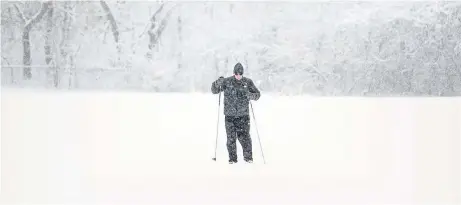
(324, 48)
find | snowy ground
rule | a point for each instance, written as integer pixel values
(147, 148)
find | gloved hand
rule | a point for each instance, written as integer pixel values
(248, 95)
(220, 81)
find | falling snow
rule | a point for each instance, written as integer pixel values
(111, 102)
(317, 48)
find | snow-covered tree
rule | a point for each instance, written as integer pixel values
(322, 48)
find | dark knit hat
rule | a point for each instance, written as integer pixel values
(238, 68)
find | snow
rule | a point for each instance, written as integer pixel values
(155, 148)
(314, 47)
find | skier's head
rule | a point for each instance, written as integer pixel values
(238, 71)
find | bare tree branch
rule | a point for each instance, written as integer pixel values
(155, 35)
(162, 26)
(20, 14)
(6, 60)
(153, 22)
(38, 16)
(153, 18)
(112, 21)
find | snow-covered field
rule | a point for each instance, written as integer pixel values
(149, 148)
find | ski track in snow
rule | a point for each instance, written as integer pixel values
(151, 148)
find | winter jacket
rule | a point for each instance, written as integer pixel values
(237, 94)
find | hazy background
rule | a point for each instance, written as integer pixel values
(150, 147)
(394, 48)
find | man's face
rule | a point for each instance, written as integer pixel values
(238, 76)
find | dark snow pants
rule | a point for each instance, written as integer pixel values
(238, 128)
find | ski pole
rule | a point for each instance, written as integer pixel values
(257, 132)
(217, 127)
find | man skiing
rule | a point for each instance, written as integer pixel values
(238, 91)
